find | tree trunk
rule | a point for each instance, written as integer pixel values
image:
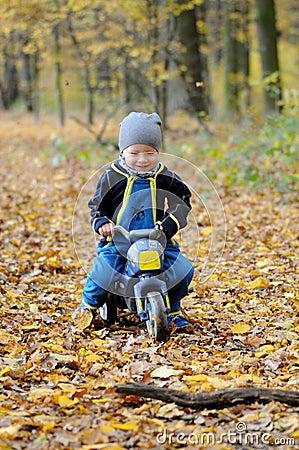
(86, 75)
(243, 53)
(194, 72)
(236, 56)
(26, 81)
(211, 400)
(293, 33)
(267, 34)
(57, 67)
(201, 17)
(153, 7)
(9, 91)
(34, 85)
(89, 95)
(230, 55)
(215, 26)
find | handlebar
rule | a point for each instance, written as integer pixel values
(134, 235)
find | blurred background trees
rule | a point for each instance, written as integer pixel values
(215, 59)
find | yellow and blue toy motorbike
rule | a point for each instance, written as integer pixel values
(142, 288)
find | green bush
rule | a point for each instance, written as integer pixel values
(253, 155)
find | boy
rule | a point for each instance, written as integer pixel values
(138, 192)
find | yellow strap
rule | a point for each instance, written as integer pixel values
(159, 170)
(129, 187)
(153, 187)
(175, 220)
(153, 194)
(127, 194)
(118, 170)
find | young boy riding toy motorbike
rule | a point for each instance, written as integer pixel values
(139, 192)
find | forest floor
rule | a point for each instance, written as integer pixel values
(57, 385)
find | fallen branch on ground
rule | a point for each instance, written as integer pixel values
(211, 400)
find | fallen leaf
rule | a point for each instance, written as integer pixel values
(127, 426)
(259, 283)
(264, 350)
(82, 318)
(102, 446)
(195, 378)
(240, 328)
(4, 371)
(169, 411)
(40, 393)
(66, 402)
(165, 372)
(10, 431)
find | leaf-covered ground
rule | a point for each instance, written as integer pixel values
(57, 385)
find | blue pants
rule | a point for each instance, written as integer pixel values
(110, 263)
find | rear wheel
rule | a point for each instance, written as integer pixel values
(156, 324)
(108, 311)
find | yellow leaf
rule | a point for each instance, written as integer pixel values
(127, 426)
(101, 400)
(82, 318)
(54, 262)
(54, 347)
(259, 283)
(30, 327)
(102, 446)
(248, 377)
(207, 231)
(219, 383)
(251, 417)
(4, 371)
(12, 294)
(195, 378)
(99, 342)
(240, 328)
(107, 428)
(66, 402)
(6, 338)
(93, 357)
(207, 387)
(264, 350)
(48, 426)
(57, 378)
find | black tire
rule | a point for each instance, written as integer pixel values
(108, 311)
(156, 324)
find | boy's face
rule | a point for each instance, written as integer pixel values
(141, 157)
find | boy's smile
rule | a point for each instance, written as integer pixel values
(141, 157)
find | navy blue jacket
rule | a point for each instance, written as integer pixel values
(172, 198)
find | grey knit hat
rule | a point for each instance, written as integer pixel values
(140, 128)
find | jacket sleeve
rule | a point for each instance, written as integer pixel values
(100, 203)
(178, 206)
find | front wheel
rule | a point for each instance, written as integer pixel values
(156, 324)
(108, 311)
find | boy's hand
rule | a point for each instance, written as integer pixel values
(107, 229)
